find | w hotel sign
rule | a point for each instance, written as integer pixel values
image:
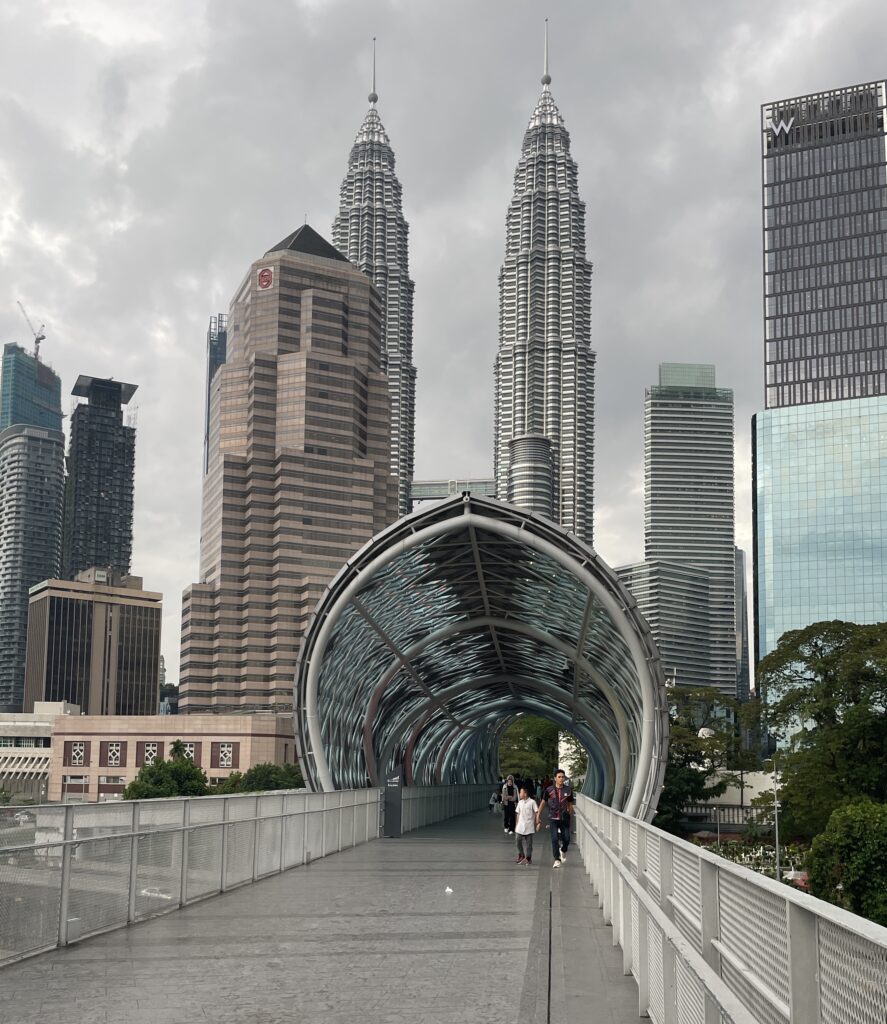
(780, 126)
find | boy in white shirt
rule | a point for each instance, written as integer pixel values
(527, 809)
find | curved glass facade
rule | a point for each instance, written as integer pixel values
(458, 618)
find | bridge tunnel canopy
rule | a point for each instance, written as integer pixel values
(453, 621)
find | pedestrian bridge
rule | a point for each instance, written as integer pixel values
(286, 907)
(444, 627)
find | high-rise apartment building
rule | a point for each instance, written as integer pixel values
(370, 229)
(820, 486)
(30, 392)
(32, 484)
(544, 373)
(97, 528)
(216, 354)
(825, 262)
(674, 599)
(95, 642)
(689, 496)
(299, 471)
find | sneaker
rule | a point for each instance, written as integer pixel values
(505, 830)
(528, 862)
(556, 864)
(521, 860)
(563, 855)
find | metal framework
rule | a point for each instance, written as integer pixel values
(447, 625)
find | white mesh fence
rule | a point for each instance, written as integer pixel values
(710, 941)
(78, 869)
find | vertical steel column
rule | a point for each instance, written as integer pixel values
(133, 861)
(708, 894)
(803, 951)
(642, 943)
(183, 881)
(65, 882)
(224, 858)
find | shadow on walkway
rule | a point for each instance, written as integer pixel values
(368, 936)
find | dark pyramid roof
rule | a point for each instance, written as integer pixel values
(305, 239)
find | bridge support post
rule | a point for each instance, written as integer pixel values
(803, 951)
(708, 892)
(133, 863)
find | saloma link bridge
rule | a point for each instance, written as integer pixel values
(424, 648)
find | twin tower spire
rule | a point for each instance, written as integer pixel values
(544, 370)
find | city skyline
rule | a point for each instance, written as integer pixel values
(124, 231)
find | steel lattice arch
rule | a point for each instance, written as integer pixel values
(453, 621)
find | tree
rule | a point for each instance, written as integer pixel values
(847, 864)
(528, 748)
(179, 776)
(263, 778)
(574, 756)
(826, 689)
(701, 739)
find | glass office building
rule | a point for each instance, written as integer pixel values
(30, 392)
(824, 176)
(820, 494)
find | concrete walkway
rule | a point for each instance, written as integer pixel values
(368, 936)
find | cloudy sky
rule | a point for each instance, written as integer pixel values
(150, 151)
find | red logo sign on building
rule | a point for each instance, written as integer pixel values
(266, 277)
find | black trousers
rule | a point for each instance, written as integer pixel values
(560, 836)
(510, 816)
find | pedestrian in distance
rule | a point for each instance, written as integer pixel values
(510, 795)
(527, 825)
(494, 801)
(559, 801)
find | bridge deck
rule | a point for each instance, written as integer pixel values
(368, 935)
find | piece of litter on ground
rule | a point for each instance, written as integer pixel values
(448, 889)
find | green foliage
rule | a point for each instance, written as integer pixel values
(574, 757)
(528, 748)
(263, 777)
(703, 745)
(179, 776)
(826, 687)
(5, 796)
(847, 864)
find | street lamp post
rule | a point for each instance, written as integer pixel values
(776, 821)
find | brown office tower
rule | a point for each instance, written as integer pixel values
(298, 473)
(94, 641)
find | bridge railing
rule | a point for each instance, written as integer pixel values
(88, 868)
(710, 942)
(424, 805)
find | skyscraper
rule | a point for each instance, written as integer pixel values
(97, 528)
(32, 483)
(825, 263)
(299, 472)
(689, 499)
(544, 373)
(216, 354)
(820, 484)
(371, 231)
(30, 392)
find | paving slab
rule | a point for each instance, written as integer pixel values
(369, 935)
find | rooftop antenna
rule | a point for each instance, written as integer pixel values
(546, 78)
(374, 96)
(38, 335)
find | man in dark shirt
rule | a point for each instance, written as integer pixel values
(559, 801)
(510, 797)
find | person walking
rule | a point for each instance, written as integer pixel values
(559, 801)
(510, 795)
(526, 826)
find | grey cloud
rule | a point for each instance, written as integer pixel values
(149, 176)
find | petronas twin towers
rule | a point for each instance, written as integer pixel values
(544, 373)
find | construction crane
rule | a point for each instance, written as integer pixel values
(38, 335)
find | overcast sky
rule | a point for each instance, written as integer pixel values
(150, 151)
